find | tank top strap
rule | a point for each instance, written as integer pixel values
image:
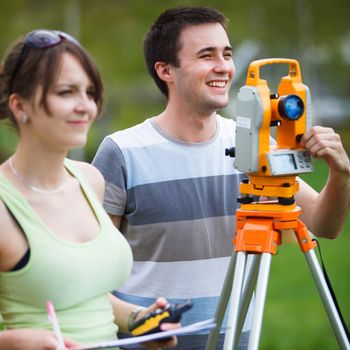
(89, 192)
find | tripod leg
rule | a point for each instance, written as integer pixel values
(231, 330)
(261, 290)
(248, 289)
(222, 305)
(327, 300)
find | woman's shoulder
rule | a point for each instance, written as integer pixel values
(93, 175)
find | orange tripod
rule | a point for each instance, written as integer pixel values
(259, 229)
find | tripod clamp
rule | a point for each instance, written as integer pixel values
(260, 232)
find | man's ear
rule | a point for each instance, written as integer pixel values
(163, 70)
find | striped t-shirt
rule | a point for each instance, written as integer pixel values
(178, 201)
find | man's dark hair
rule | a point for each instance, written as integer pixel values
(162, 42)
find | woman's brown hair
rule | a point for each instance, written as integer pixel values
(40, 68)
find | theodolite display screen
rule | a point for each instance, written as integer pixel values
(289, 162)
(285, 163)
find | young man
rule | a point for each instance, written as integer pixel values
(170, 188)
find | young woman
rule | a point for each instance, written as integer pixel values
(56, 241)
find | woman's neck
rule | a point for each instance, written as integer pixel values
(40, 172)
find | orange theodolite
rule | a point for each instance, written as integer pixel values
(267, 203)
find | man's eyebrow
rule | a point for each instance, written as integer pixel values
(213, 48)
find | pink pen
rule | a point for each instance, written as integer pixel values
(54, 323)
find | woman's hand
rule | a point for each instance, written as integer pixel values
(31, 339)
(162, 343)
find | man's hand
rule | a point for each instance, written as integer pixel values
(324, 143)
(333, 201)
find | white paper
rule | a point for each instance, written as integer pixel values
(192, 328)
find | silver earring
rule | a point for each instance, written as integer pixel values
(24, 118)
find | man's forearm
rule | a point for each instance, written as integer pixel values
(326, 213)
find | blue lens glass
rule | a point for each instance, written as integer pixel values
(291, 107)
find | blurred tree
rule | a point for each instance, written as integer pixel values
(315, 32)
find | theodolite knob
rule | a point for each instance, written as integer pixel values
(231, 152)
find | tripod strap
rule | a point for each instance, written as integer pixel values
(332, 292)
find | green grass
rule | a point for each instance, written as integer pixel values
(294, 316)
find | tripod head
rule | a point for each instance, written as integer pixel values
(272, 168)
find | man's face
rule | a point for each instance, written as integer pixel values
(206, 70)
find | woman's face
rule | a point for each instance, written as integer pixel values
(72, 108)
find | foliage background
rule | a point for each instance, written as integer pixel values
(316, 32)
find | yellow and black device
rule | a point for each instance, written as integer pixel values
(272, 165)
(151, 322)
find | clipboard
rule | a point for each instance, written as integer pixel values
(189, 329)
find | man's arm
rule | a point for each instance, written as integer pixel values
(117, 220)
(324, 213)
(110, 161)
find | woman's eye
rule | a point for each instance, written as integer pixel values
(91, 93)
(65, 92)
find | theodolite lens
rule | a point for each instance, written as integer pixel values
(291, 107)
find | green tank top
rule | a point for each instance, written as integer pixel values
(76, 277)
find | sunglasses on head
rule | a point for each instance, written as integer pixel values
(39, 39)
